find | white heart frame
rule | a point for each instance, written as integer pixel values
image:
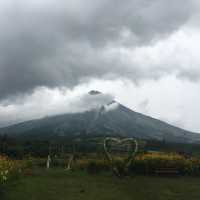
(121, 141)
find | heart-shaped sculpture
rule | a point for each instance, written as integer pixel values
(132, 150)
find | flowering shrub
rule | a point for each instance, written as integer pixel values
(8, 170)
(5, 168)
(150, 162)
(146, 163)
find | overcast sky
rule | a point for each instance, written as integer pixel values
(143, 53)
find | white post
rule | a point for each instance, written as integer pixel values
(69, 166)
(48, 161)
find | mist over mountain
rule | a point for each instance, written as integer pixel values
(110, 118)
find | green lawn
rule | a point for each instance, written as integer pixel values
(58, 184)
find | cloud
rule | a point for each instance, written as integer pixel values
(169, 98)
(110, 107)
(52, 52)
(45, 102)
(64, 43)
(173, 100)
(143, 106)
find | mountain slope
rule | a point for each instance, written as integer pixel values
(110, 119)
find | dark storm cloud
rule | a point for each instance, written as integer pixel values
(62, 43)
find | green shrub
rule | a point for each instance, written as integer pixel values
(9, 171)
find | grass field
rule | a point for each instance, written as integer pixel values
(58, 184)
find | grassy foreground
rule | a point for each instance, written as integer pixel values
(58, 184)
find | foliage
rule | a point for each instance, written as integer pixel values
(96, 166)
(19, 148)
(146, 163)
(9, 170)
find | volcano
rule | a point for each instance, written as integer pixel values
(110, 119)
